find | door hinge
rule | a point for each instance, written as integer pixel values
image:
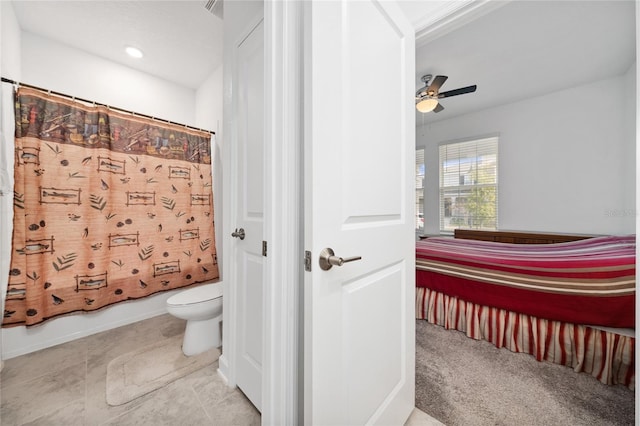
(264, 248)
(307, 261)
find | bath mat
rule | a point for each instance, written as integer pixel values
(144, 370)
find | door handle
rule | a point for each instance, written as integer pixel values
(238, 233)
(329, 260)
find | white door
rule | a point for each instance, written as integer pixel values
(359, 184)
(249, 208)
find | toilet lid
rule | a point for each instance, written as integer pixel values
(197, 294)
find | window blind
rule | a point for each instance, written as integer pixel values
(420, 189)
(469, 184)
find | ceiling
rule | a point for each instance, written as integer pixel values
(181, 40)
(519, 50)
(529, 48)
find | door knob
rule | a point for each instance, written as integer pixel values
(329, 260)
(238, 233)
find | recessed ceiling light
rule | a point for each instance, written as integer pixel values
(134, 52)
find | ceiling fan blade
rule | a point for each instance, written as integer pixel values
(436, 83)
(456, 92)
(438, 108)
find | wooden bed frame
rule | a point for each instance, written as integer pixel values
(518, 237)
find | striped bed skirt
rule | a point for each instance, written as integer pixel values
(607, 356)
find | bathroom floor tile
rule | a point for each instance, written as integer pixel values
(30, 366)
(105, 346)
(420, 418)
(27, 401)
(102, 350)
(208, 385)
(174, 404)
(96, 407)
(234, 410)
(69, 415)
(66, 385)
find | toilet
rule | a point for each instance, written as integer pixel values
(202, 308)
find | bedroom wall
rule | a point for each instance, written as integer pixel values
(565, 164)
(54, 66)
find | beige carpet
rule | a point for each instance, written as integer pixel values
(464, 382)
(137, 373)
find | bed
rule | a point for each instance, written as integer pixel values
(566, 299)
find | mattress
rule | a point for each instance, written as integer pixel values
(589, 281)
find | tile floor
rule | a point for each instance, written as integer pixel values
(66, 384)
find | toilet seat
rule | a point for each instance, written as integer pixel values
(195, 295)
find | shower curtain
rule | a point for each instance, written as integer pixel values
(107, 207)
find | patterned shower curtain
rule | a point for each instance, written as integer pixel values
(108, 207)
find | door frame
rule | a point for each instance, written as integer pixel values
(283, 210)
(282, 387)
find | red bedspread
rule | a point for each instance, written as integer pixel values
(589, 281)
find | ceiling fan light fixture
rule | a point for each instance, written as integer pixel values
(427, 105)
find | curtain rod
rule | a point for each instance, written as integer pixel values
(7, 80)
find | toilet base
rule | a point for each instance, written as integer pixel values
(200, 336)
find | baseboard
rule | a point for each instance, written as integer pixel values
(39, 343)
(223, 368)
(223, 377)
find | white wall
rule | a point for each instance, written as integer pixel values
(566, 159)
(9, 68)
(10, 41)
(209, 102)
(61, 68)
(629, 179)
(209, 116)
(55, 66)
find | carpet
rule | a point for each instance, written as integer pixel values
(144, 370)
(461, 381)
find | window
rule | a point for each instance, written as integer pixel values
(420, 190)
(469, 184)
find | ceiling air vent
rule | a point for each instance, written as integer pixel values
(215, 7)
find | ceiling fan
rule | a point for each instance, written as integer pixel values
(427, 96)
